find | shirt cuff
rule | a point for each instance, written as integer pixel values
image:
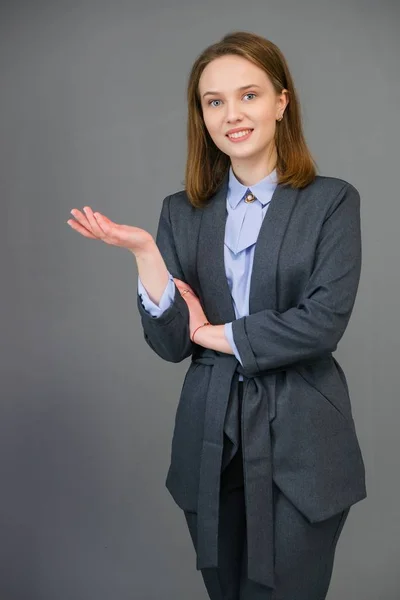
(166, 299)
(229, 337)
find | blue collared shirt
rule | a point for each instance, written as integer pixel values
(238, 267)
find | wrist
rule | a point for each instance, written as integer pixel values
(213, 337)
(147, 252)
(196, 329)
(152, 272)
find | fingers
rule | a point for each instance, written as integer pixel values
(187, 293)
(95, 227)
(80, 217)
(107, 226)
(89, 224)
(102, 220)
(80, 229)
(182, 285)
(81, 223)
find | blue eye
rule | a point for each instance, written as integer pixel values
(211, 101)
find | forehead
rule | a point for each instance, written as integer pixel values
(227, 73)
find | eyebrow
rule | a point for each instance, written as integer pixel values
(244, 87)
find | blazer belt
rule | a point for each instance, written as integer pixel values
(221, 415)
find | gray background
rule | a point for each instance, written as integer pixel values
(93, 111)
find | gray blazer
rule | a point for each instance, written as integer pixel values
(297, 427)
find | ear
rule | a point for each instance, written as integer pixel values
(283, 99)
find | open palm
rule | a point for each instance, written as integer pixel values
(97, 226)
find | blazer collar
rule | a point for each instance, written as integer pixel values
(215, 292)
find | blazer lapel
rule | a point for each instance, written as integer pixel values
(215, 292)
(214, 289)
(264, 284)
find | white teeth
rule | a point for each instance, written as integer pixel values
(239, 134)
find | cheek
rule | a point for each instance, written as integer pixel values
(267, 118)
(211, 123)
(213, 126)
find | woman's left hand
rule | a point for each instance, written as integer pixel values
(196, 312)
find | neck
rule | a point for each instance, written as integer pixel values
(251, 170)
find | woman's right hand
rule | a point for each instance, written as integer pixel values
(97, 226)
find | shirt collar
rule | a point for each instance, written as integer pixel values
(263, 190)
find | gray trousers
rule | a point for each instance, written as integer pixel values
(304, 552)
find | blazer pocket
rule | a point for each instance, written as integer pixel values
(306, 377)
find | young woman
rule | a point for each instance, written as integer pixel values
(254, 274)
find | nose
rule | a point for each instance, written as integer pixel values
(233, 112)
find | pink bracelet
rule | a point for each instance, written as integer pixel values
(206, 323)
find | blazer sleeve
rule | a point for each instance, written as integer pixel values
(168, 334)
(269, 339)
(166, 300)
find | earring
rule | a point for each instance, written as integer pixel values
(281, 117)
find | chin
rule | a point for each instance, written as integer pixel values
(243, 152)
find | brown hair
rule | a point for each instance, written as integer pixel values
(206, 165)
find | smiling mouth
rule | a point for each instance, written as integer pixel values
(239, 135)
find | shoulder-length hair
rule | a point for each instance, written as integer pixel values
(206, 165)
